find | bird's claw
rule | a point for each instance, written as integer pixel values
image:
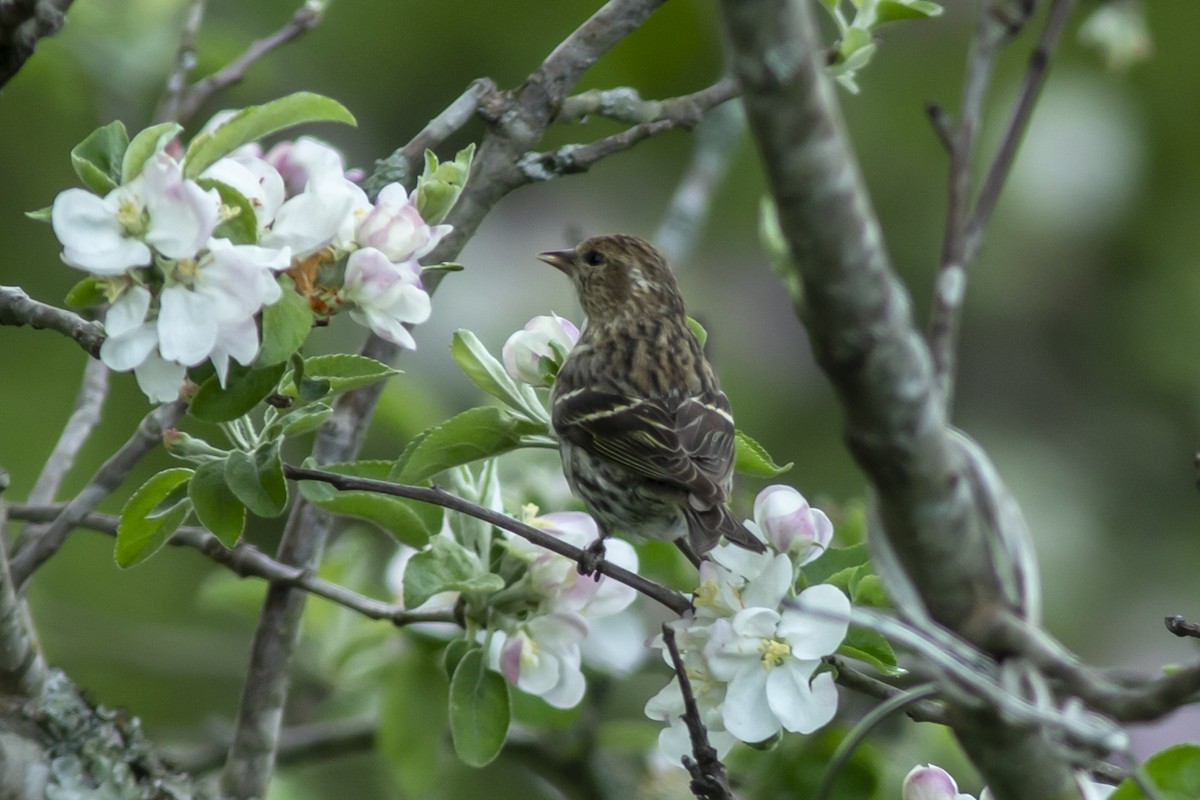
(593, 556)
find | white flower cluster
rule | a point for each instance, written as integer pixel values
(751, 649)
(184, 290)
(934, 783)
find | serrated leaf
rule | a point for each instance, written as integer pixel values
(871, 648)
(285, 326)
(395, 515)
(474, 434)
(305, 419)
(257, 479)
(88, 292)
(1174, 771)
(446, 566)
(341, 372)
(751, 458)
(479, 710)
(486, 372)
(97, 159)
(217, 507)
(240, 226)
(244, 389)
(139, 535)
(143, 146)
(835, 560)
(255, 122)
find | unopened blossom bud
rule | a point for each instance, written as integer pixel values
(181, 445)
(395, 228)
(534, 354)
(790, 524)
(441, 184)
(929, 783)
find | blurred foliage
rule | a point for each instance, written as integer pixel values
(1078, 364)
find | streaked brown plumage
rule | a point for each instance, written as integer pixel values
(645, 432)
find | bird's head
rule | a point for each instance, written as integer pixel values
(617, 276)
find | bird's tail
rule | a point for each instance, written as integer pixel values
(707, 526)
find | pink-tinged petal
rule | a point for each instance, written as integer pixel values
(301, 161)
(550, 337)
(160, 380)
(771, 585)
(929, 783)
(92, 237)
(385, 327)
(801, 707)
(436, 234)
(818, 624)
(510, 658)
(746, 713)
(187, 329)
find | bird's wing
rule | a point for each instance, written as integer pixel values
(689, 446)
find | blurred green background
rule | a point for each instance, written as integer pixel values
(1079, 368)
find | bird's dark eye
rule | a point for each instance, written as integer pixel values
(593, 258)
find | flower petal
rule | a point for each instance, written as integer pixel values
(818, 623)
(187, 327)
(746, 713)
(801, 707)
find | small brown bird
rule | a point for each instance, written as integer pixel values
(645, 432)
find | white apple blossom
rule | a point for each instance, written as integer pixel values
(158, 209)
(300, 161)
(550, 337)
(324, 214)
(790, 524)
(395, 227)
(541, 657)
(385, 296)
(254, 179)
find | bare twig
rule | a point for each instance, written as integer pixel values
(38, 543)
(714, 143)
(247, 561)
(709, 780)
(1178, 625)
(670, 599)
(403, 164)
(185, 62)
(307, 17)
(18, 308)
(75, 433)
(22, 24)
(22, 669)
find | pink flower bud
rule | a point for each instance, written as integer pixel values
(545, 337)
(929, 783)
(790, 524)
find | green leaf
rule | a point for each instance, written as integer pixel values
(479, 710)
(453, 654)
(144, 526)
(257, 479)
(698, 331)
(395, 515)
(255, 122)
(97, 159)
(474, 434)
(285, 325)
(893, 10)
(871, 648)
(87, 293)
(752, 458)
(834, 560)
(245, 387)
(869, 592)
(342, 372)
(486, 372)
(1175, 771)
(413, 721)
(241, 226)
(446, 566)
(440, 185)
(42, 214)
(216, 506)
(145, 145)
(304, 419)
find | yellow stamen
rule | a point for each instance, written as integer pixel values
(774, 652)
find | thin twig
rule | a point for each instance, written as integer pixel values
(307, 17)
(714, 143)
(1031, 88)
(18, 308)
(709, 780)
(667, 597)
(859, 681)
(247, 561)
(185, 62)
(1178, 625)
(38, 543)
(75, 433)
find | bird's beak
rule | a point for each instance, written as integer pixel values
(559, 259)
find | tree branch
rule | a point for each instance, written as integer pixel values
(22, 24)
(17, 308)
(22, 669)
(861, 328)
(185, 62)
(709, 781)
(79, 427)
